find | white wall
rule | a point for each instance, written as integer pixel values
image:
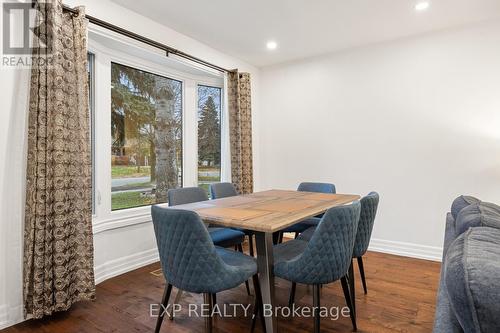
(417, 120)
(116, 250)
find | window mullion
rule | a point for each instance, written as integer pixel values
(103, 125)
(190, 134)
(225, 143)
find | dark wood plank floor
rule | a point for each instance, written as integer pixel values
(401, 298)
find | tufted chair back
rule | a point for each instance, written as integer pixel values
(222, 190)
(369, 205)
(186, 195)
(317, 187)
(328, 254)
(187, 254)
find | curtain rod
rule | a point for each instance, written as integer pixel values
(145, 40)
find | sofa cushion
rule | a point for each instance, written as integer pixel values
(484, 214)
(449, 234)
(461, 202)
(472, 270)
(445, 320)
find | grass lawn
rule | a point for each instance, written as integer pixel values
(134, 186)
(129, 199)
(206, 168)
(205, 187)
(208, 178)
(124, 171)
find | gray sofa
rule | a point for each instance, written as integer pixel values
(469, 291)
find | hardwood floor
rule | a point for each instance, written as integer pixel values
(401, 298)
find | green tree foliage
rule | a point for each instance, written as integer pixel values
(209, 140)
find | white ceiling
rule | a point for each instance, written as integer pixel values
(304, 28)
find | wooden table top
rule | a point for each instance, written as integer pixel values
(266, 211)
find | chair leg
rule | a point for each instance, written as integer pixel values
(281, 237)
(347, 296)
(164, 303)
(240, 249)
(258, 307)
(207, 299)
(276, 237)
(250, 245)
(352, 286)
(362, 273)
(176, 301)
(292, 295)
(296, 235)
(256, 311)
(247, 286)
(316, 305)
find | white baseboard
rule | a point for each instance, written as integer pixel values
(125, 264)
(404, 249)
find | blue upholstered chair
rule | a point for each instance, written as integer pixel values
(224, 190)
(223, 237)
(322, 259)
(311, 222)
(317, 187)
(192, 263)
(369, 205)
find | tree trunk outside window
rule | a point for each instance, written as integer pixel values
(165, 169)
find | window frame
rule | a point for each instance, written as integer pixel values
(104, 218)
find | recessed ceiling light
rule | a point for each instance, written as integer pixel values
(271, 45)
(422, 6)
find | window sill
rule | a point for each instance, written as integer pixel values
(122, 219)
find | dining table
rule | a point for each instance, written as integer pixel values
(266, 213)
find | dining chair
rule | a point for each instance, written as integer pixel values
(191, 262)
(369, 205)
(223, 237)
(324, 258)
(313, 221)
(317, 187)
(224, 190)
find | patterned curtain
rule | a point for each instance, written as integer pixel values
(58, 245)
(240, 131)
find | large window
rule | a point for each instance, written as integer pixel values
(146, 137)
(157, 124)
(209, 135)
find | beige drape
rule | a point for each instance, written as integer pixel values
(58, 246)
(240, 131)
